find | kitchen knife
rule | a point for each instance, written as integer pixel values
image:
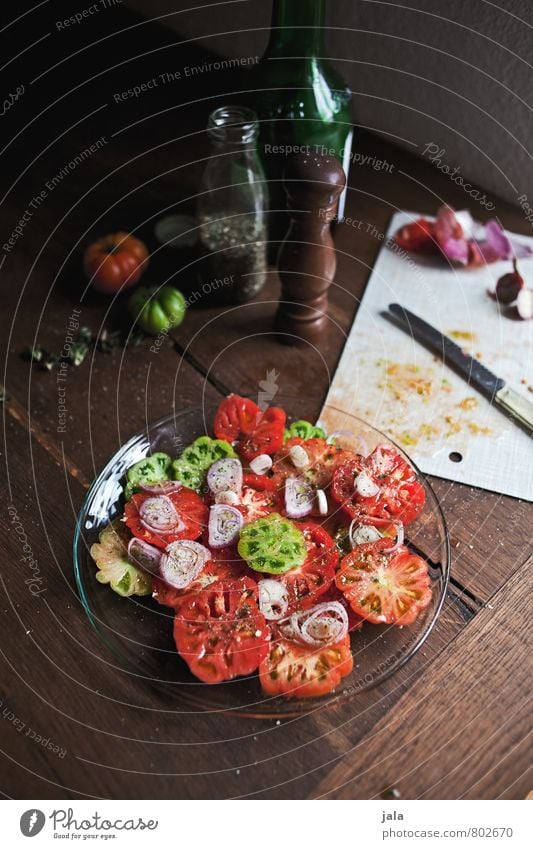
(495, 388)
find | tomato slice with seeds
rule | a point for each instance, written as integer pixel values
(296, 671)
(234, 417)
(254, 431)
(388, 589)
(220, 633)
(386, 466)
(403, 502)
(306, 583)
(259, 497)
(191, 509)
(266, 437)
(212, 572)
(400, 495)
(343, 483)
(324, 457)
(419, 237)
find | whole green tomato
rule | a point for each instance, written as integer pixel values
(157, 309)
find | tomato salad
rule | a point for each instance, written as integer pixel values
(270, 543)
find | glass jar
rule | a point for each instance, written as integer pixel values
(231, 208)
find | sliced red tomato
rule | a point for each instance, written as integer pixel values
(295, 671)
(259, 497)
(323, 459)
(419, 237)
(192, 512)
(385, 588)
(306, 583)
(230, 563)
(213, 571)
(239, 420)
(234, 417)
(403, 502)
(386, 466)
(220, 633)
(266, 437)
(343, 482)
(227, 556)
(400, 495)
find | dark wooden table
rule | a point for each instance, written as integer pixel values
(453, 722)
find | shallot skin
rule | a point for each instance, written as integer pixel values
(509, 286)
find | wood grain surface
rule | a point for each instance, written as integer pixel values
(456, 731)
(453, 721)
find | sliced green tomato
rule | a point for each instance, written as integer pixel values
(114, 568)
(303, 429)
(191, 468)
(272, 544)
(149, 470)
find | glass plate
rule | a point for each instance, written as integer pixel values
(138, 631)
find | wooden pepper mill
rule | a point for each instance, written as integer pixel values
(307, 260)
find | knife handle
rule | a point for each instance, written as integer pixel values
(519, 407)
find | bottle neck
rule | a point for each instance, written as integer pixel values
(297, 28)
(234, 126)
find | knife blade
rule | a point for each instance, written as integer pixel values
(478, 375)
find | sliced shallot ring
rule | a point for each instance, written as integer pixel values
(144, 555)
(299, 497)
(225, 475)
(400, 536)
(300, 625)
(368, 533)
(182, 562)
(161, 487)
(314, 629)
(273, 599)
(159, 515)
(225, 523)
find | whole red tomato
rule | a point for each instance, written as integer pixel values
(419, 237)
(115, 262)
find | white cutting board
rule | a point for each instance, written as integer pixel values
(397, 385)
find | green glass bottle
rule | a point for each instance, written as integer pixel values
(301, 99)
